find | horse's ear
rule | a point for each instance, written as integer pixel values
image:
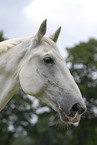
(55, 35)
(42, 30)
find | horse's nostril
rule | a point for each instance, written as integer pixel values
(77, 108)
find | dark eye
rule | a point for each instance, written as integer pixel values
(48, 60)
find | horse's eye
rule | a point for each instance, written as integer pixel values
(48, 60)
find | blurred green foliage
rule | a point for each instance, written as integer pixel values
(17, 120)
(83, 65)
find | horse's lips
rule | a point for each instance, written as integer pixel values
(74, 119)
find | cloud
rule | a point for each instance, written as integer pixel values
(84, 10)
(12, 18)
(77, 18)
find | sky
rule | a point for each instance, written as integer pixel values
(78, 19)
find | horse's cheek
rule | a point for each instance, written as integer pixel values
(30, 81)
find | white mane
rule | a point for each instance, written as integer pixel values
(8, 44)
(5, 45)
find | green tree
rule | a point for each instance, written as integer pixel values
(1, 36)
(83, 65)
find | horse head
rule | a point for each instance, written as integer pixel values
(44, 74)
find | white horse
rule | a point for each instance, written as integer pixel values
(34, 65)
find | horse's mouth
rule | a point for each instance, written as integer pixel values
(65, 118)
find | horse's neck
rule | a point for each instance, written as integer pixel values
(9, 79)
